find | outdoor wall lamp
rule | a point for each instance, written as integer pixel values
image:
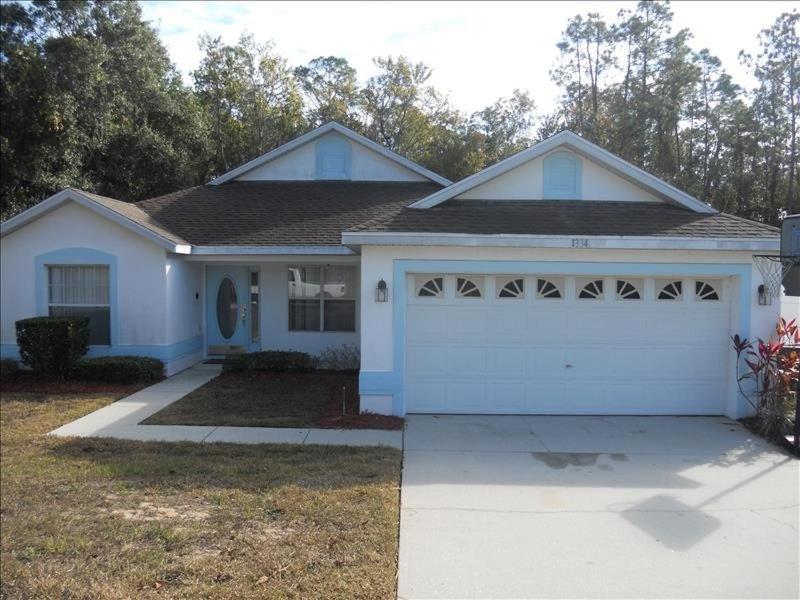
(381, 291)
(764, 298)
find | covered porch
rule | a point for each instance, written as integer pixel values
(301, 302)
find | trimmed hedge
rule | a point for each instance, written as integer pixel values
(277, 361)
(8, 369)
(120, 369)
(52, 346)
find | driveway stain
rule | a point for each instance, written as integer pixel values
(562, 460)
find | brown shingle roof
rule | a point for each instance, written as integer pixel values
(566, 217)
(135, 214)
(279, 213)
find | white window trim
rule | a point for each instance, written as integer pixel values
(353, 298)
(107, 305)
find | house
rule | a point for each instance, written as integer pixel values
(561, 280)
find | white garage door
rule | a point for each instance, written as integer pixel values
(567, 345)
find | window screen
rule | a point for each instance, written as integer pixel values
(322, 298)
(81, 291)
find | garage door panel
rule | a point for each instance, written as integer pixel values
(467, 396)
(504, 324)
(567, 356)
(544, 325)
(427, 360)
(466, 323)
(425, 323)
(583, 361)
(507, 396)
(466, 361)
(426, 395)
(507, 361)
(704, 363)
(546, 361)
(547, 396)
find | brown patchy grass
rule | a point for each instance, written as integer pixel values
(100, 518)
(262, 399)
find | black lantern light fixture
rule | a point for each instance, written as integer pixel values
(764, 298)
(381, 291)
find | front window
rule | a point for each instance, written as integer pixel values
(81, 291)
(322, 298)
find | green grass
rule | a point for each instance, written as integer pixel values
(254, 399)
(99, 518)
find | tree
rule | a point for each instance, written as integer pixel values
(394, 105)
(587, 53)
(85, 82)
(330, 88)
(505, 127)
(250, 99)
(777, 102)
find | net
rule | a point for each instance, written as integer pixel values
(773, 268)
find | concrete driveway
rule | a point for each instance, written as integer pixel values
(622, 507)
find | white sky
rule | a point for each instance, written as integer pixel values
(478, 51)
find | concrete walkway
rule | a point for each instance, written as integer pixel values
(595, 507)
(122, 420)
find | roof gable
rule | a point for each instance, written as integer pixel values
(125, 214)
(619, 177)
(298, 159)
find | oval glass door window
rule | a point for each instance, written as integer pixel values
(227, 308)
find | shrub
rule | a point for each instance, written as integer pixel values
(773, 368)
(8, 369)
(278, 361)
(340, 358)
(52, 346)
(120, 369)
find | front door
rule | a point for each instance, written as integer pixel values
(227, 308)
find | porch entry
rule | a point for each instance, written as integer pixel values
(232, 301)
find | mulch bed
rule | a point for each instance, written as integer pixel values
(343, 413)
(26, 382)
(751, 424)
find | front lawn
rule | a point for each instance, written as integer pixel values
(263, 399)
(99, 518)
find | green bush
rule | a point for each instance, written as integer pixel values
(52, 346)
(120, 369)
(340, 358)
(278, 361)
(8, 369)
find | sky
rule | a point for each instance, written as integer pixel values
(479, 51)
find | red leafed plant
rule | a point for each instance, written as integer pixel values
(774, 366)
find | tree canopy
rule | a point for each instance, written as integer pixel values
(90, 99)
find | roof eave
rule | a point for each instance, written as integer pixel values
(297, 250)
(380, 238)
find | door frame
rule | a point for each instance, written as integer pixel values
(228, 270)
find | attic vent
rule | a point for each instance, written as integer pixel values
(562, 177)
(333, 159)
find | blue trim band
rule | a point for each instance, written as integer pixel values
(166, 353)
(379, 383)
(393, 382)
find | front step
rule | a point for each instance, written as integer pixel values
(223, 350)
